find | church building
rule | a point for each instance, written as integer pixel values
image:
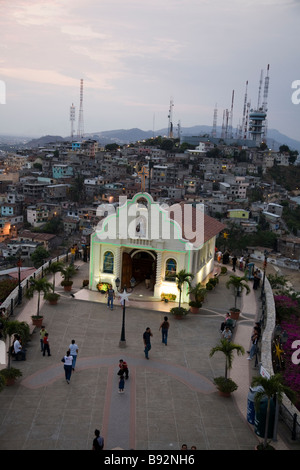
(142, 239)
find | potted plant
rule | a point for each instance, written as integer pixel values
(270, 388)
(238, 284)
(181, 278)
(224, 384)
(10, 375)
(103, 287)
(179, 312)
(195, 306)
(223, 270)
(85, 283)
(40, 286)
(199, 292)
(53, 268)
(67, 273)
(52, 298)
(168, 297)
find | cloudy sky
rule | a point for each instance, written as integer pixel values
(136, 55)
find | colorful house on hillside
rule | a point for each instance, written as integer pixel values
(142, 238)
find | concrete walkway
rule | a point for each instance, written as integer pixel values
(168, 400)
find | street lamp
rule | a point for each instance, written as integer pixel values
(124, 294)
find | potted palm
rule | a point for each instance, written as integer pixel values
(40, 286)
(181, 278)
(53, 268)
(199, 292)
(269, 389)
(225, 385)
(179, 312)
(238, 284)
(67, 273)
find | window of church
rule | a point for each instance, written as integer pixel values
(108, 262)
(171, 267)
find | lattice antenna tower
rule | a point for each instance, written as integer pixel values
(214, 128)
(265, 103)
(242, 131)
(80, 129)
(170, 117)
(231, 116)
(72, 119)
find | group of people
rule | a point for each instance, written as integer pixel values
(227, 327)
(18, 351)
(164, 327)
(185, 447)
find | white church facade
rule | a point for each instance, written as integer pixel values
(143, 239)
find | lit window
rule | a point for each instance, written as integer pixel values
(171, 266)
(108, 262)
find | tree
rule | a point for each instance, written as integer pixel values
(40, 286)
(198, 291)
(55, 267)
(271, 387)
(227, 348)
(238, 284)
(39, 256)
(183, 277)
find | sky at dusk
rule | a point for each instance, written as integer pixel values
(134, 56)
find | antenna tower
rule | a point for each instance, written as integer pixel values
(223, 126)
(214, 129)
(72, 119)
(80, 118)
(231, 116)
(170, 117)
(244, 112)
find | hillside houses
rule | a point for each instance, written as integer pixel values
(67, 181)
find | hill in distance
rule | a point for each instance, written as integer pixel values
(127, 136)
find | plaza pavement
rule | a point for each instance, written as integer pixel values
(169, 399)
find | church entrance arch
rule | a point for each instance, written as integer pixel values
(143, 265)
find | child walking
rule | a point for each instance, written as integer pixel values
(121, 384)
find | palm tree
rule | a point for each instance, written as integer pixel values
(227, 348)
(55, 267)
(271, 387)
(182, 277)
(198, 291)
(238, 284)
(40, 286)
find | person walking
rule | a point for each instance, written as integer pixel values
(98, 442)
(121, 384)
(123, 368)
(234, 261)
(147, 343)
(73, 348)
(110, 298)
(43, 331)
(46, 345)
(164, 327)
(68, 360)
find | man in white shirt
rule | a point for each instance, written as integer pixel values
(73, 351)
(19, 352)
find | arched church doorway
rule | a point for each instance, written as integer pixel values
(141, 265)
